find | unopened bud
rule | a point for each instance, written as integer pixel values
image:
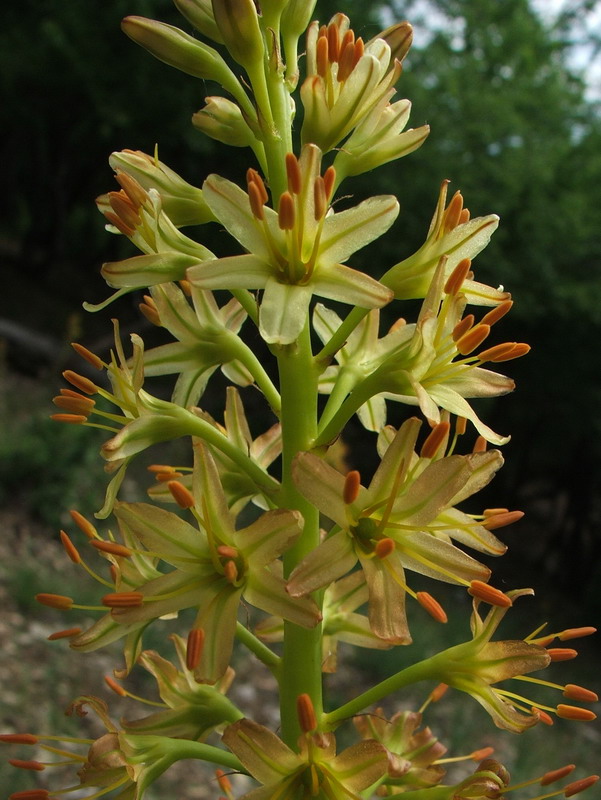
(238, 25)
(200, 14)
(222, 120)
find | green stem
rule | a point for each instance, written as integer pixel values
(339, 338)
(207, 752)
(422, 671)
(337, 421)
(246, 356)
(248, 302)
(344, 384)
(256, 646)
(302, 655)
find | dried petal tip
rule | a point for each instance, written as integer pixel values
(574, 692)
(306, 713)
(123, 599)
(18, 738)
(435, 438)
(20, 764)
(352, 484)
(54, 600)
(556, 774)
(432, 606)
(562, 653)
(489, 594)
(580, 786)
(68, 633)
(576, 633)
(575, 713)
(484, 752)
(194, 646)
(182, 496)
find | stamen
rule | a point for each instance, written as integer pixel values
(460, 426)
(352, 484)
(519, 349)
(225, 551)
(306, 713)
(224, 782)
(542, 716)
(80, 382)
(54, 600)
(501, 520)
(254, 198)
(70, 548)
(293, 174)
(126, 230)
(434, 696)
(497, 313)
(88, 355)
(151, 314)
(494, 597)
(347, 62)
(575, 713)
(580, 786)
(70, 419)
(556, 774)
(123, 599)
(182, 496)
(575, 633)
(349, 37)
(76, 405)
(132, 188)
(320, 198)
(252, 176)
(18, 738)
(435, 438)
(458, 275)
(30, 794)
(480, 755)
(286, 212)
(68, 633)
(497, 353)
(329, 179)
(384, 547)
(194, 647)
(83, 524)
(321, 56)
(467, 343)
(463, 326)
(432, 606)
(230, 571)
(480, 445)
(114, 686)
(562, 653)
(453, 212)
(574, 692)
(111, 547)
(464, 216)
(359, 51)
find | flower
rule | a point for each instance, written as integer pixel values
(295, 252)
(314, 772)
(404, 519)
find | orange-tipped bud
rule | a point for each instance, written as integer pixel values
(575, 713)
(432, 606)
(80, 382)
(54, 600)
(352, 484)
(18, 738)
(455, 280)
(123, 599)
(70, 548)
(562, 653)
(579, 693)
(434, 439)
(501, 520)
(111, 547)
(182, 496)
(472, 339)
(68, 633)
(88, 355)
(480, 445)
(556, 774)
(286, 212)
(70, 419)
(438, 692)
(495, 314)
(293, 173)
(194, 647)
(579, 786)
(114, 686)
(83, 524)
(306, 713)
(542, 716)
(494, 597)
(484, 752)
(463, 326)
(384, 547)
(576, 633)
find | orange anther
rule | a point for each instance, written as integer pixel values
(556, 774)
(230, 571)
(562, 653)
(580, 786)
(542, 716)
(164, 468)
(226, 551)
(126, 230)
(293, 173)
(434, 439)
(224, 782)
(30, 794)
(83, 524)
(88, 355)
(70, 548)
(464, 216)
(70, 419)
(575, 713)
(322, 61)
(359, 51)
(518, 350)
(489, 594)
(54, 600)
(18, 738)
(79, 404)
(491, 512)
(472, 339)
(349, 37)
(438, 692)
(352, 484)
(333, 42)
(453, 212)
(432, 606)
(164, 477)
(480, 445)
(455, 280)
(80, 382)
(463, 326)
(484, 752)
(579, 693)
(497, 353)
(306, 713)
(151, 314)
(182, 496)
(501, 520)
(114, 686)
(132, 188)
(497, 313)
(460, 426)
(124, 208)
(68, 633)
(384, 547)
(346, 63)
(111, 547)
(194, 647)
(320, 198)
(286, 212)
(576, 633)
(255, 200)
(123, 599)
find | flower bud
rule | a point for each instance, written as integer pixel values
(238, 24)
(295, 20)
(200, 14)
(221, 119)
(399, 38)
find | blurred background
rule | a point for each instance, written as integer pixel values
(512, 92)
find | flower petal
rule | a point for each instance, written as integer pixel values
(348, 231)
(328, 562)
(283, 311)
